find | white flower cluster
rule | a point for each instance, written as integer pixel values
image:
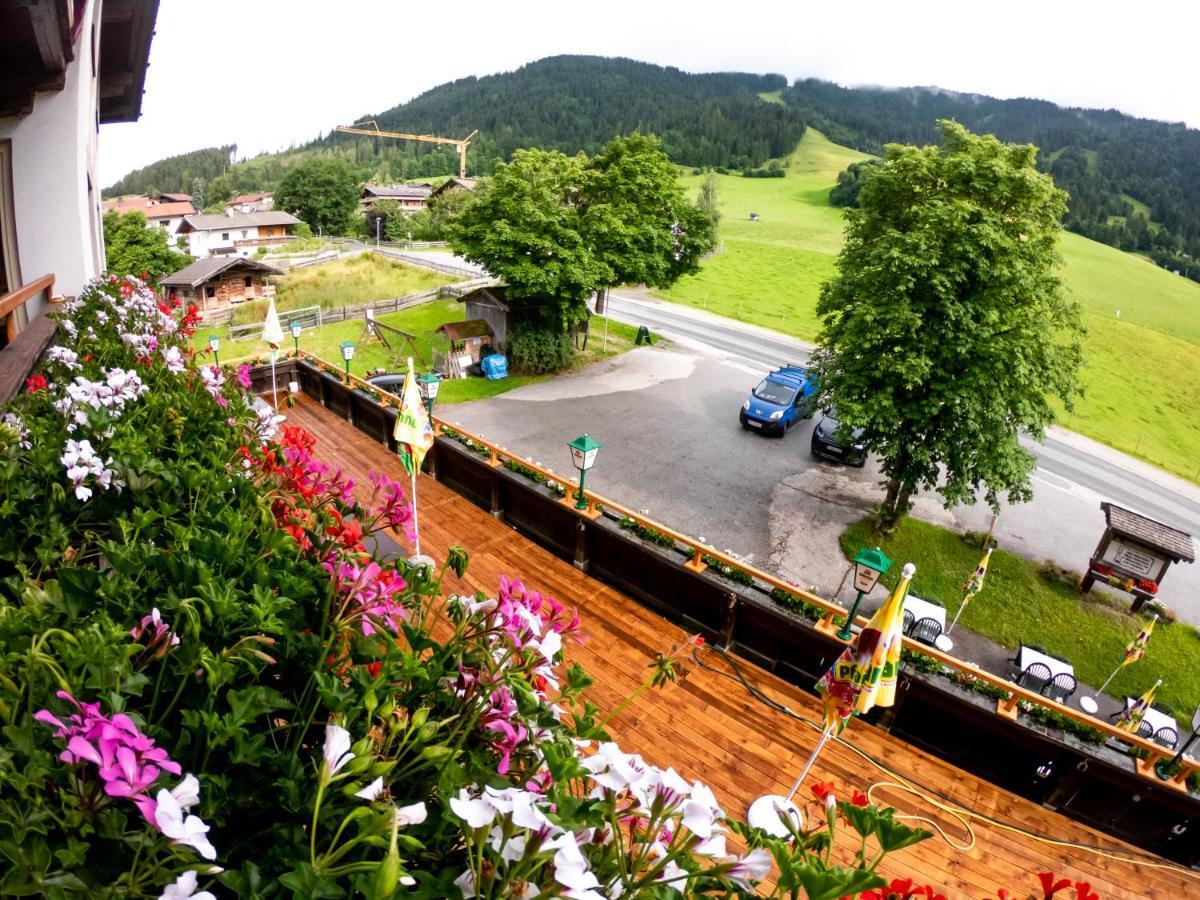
(267, 421)
(82, 463)
(173, 359)
(16, 425)
(119, 388)
(64, 357)
(173, 819)
(213, 379)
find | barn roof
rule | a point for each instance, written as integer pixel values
(1128, 524)
(203, 270)
(471, 328)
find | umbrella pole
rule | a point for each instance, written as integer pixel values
(812, 758)
(416, 521)
(1107, 680)
(954, 622)
(274, 389)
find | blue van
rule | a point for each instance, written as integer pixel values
(786, 396)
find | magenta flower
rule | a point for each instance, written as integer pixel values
(159, 638)
(389, 505)
(243, 375)
(371, 592)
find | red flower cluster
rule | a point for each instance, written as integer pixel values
(1102, 569)
(1148, 586)
(35, 383)
(902, 889)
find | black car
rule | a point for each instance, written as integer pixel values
(392, 382)
(830, 441)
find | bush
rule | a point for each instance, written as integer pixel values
(536, 349)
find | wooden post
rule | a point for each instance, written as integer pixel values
(1007, 707)
(497, 509)
(826, 625)
(696, 563)
(581, 546)
(494, 459)
(729, 620)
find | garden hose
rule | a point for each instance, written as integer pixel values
(932, 796)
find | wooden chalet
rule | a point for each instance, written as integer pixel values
(467, 340)
(454, 184)
(221, 281)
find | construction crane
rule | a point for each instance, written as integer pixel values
(374, 131)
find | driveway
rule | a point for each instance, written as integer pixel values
(672, 446)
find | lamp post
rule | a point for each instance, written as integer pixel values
(583, 455)
(428, 385)
(868, 566)
(1164, 769)
(294, 325)
(347, 355)
(214, 344)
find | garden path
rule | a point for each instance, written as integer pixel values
(709, 728)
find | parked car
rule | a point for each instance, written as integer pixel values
(786, 396)
(392, 382)
(831, 441)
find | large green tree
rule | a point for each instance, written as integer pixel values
(131, 248)
(946, 332)
(324, 192)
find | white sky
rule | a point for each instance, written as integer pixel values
(268, 73)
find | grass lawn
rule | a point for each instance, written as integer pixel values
(1142, 375)
(420, 321)
(344, 282)
(1017, 604)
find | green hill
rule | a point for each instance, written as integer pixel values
(1142, 375)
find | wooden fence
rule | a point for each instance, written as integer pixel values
(689, 582)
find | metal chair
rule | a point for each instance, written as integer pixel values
(1166, 736)
(1035, 676)
(909, 621)
(926, 630)
(1060, 687)
(1145, 730)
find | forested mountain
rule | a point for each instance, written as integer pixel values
(573, 103)
(175, 174)
(1134, 183)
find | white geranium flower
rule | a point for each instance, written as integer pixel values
(475, 811)
(413, 814)
(337, 750)
(180, 827)
(371, 791)
(753, 866)
(184, 888)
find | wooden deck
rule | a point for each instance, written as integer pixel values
(709, 728)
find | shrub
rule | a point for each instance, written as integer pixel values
(535, 349)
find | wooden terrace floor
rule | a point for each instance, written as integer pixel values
(709, 728)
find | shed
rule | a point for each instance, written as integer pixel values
(1135, 552)
(221, 281)
(489, 304)
(467, 340)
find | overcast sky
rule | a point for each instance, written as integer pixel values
(264, 74)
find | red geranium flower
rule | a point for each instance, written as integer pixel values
(824, 792)
(1049, 886)
(858, 798)
(35, 383)
(1083, 891)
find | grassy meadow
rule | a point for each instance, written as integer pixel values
(1018, 605)
(1141, 380)
(344, 282)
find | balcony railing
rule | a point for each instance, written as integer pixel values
(26, 346)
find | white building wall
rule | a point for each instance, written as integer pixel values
(55, 195)
(207, 243)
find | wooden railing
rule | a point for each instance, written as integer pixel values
(26, 346)
(1006, 707)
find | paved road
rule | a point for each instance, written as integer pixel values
(672, 445)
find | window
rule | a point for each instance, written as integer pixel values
(210, 292)
(249, 281)
(224, 235)
(244, 232)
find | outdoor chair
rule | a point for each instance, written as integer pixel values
(909, 621)
(1035, 677)
(926, 631)
(1060, 687)
(1145, 730)
(1167, 737)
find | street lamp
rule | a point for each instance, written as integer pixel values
(428, 385)
(868, 566)
(583, 454)
(294, 325)
(214, 344)
(347, 355)
(1164, 769)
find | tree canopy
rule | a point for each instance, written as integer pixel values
(324, 192)
(131, 248)
(946, 331)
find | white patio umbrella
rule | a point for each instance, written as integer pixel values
(273, 334)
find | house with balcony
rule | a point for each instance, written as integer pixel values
(220, 282)
(66, 68)
(236, 233)
(165, 211)
(410, 197)
(248, 203)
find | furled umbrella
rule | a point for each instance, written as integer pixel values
(272, 334)
(973, 586)
(863, 677)
(1135, 651)
(414, 436)
(1132, 716)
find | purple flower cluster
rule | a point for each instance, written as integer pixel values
(370, 594)
(389, 505)
(128, 762)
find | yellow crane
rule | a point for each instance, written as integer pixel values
(374, 131)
